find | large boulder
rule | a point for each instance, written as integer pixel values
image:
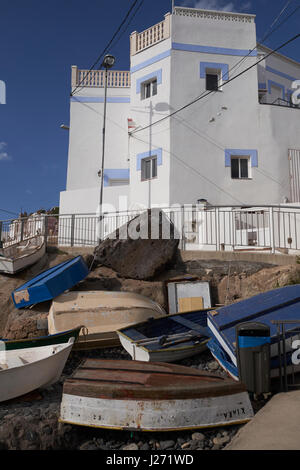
(141, 248)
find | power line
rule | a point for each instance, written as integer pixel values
(269, 32)
(9, 212)
(219, 86)
(108, 45)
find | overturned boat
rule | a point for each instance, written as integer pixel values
(167, 339)
(50, 283)
(102, 313)
(16, 257)
(267, 308)
(134, 395)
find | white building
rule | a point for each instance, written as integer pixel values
(240, 144)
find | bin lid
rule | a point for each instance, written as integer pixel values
(252, 329)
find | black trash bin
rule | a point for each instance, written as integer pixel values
(253, 356)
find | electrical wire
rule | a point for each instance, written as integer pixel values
(107, 47)
(204, 95)
(268, 34)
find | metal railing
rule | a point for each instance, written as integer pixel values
(288, 368)
(198, 227)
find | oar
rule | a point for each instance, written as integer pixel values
(183, 340)
(161, 339)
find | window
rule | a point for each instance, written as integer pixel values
(149, 168)
(118, 182)
(239, 167)
(213, 79)
(149, 88)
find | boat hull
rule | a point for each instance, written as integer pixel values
(26, 374)
(102, 313)
(50, 283)
(156, 415)
(184, 334)
(278, 304)
(13, 265)
(133, 395)
(140, 353)
(58, 338)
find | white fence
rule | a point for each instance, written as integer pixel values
(198, 227)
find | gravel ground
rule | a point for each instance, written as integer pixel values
(31, 422)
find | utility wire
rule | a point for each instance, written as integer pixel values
(269, 33)
(9, 212)
(108, 45)
(213, 91)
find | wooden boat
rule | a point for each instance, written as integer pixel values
(58, 338)
(21, 255)
(168, 339)
(102, 313)
(134, 395)
(50, 283)
(277, 304)
(25, 370)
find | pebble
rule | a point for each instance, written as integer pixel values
(130, 447)
(33, 424)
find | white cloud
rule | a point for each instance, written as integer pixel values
(219, 5)
(3, 154)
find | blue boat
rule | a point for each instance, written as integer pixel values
(232, 370)
(167, 339)
(50, 283)
(278, 304)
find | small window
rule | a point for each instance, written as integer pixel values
(212, 81)
(149, 168)
(149, 89)
(239, 167)
(118, 182)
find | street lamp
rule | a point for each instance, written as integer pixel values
(107, 63)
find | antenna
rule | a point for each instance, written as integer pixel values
(173, 1)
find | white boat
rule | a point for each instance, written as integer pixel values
(18, 256)
(102, 313)
(143, 396)
(25, 370)
(167, 339)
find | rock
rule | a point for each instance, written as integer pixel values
(186, 445)
(132, 252)
(145, 446)
(166, 444)
(89, 445)
(130, 447)
(198, 436)
(220, 441)
(213, 365)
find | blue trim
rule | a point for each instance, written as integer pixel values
(214, 65)
(253, 341)
(151, 61)
(262, 85)
(241, 152)
(270, 83)
(157, 74)
(213, 50)
(152, 153)
(111, 174)
(281, 74)
(100, 99)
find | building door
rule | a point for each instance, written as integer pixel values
(294, 162)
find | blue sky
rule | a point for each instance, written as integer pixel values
(39, 41)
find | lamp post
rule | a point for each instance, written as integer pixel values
(107, 63)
